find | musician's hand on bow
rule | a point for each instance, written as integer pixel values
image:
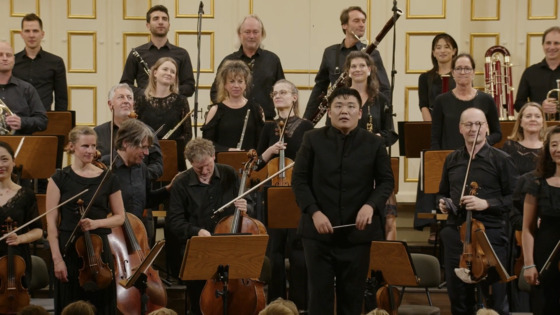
(88, 224)
(442, 206)
(549, 105)
(13, 239)
(241, 204)
(203, 232)
(275, 148)
(322, 223)
(364, 217)
(474, 203)
(531, 276)
(14, 121)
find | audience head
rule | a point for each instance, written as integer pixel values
(79, 308)
(232, 73)
(33, 310)
(378, 311)
(486, 311)
(280, 307)
(163, 311)
(529, 119)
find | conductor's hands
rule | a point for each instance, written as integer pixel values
(364, 217)
(322, 223)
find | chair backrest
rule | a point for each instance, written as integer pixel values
(39, 273)
(427, 270)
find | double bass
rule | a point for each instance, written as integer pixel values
(13, 296)
(129, 244)
(245, 296)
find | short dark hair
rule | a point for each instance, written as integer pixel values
(345, 92)
(345, 15)
(548, 30)
(32, 17)
(449, 40)
(454, 61)
(158, 7)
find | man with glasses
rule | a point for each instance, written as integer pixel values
(353, 22)
(541, 77)
(341, 179)
(265, 65)
(493, 172)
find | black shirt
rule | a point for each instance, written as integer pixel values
(266, 69)
(332, 66)
(23, 100)
(134, 70)
(47, 74)
(535, 83)
(494, 172)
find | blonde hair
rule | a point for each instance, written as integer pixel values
(294, 91)
(163, 311)
(517, 131)
(79, 308)
(231, 68)
(280, 307)
(486, 311)
(378, 311)
(75, 134)
(151, 88)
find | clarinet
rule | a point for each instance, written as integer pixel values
(240, 143)
(142, 62)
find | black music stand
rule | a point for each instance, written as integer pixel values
(139, 278)
(223, 257)
(282, 209)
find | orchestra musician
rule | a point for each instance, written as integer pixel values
(229, 124)
(541, 212)
(430, 85)
(285, 242)
(160, 106)
(353, 22)
(541, 77)
(265, 65)
(376, 118)
(43, 70)
(19, 204)
(136, 67)
(29, 114)
(66, 183)
(195, 195)
(496, 175)
(333, 181)
(449, 106)
(524, 145)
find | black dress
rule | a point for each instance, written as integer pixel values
(167, 112)
(21, 208)
(226, 127)
(546, 296)
(69, 183)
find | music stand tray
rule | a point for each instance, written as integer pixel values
(393, 260)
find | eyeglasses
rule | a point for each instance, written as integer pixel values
(469, 125)
(463, 70)
(281, 92)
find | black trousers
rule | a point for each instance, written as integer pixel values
(348, 264)
(461, 294)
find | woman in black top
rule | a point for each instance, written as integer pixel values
(225, 121)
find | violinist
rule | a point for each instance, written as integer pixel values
(333, 181)
(20, 205)
(64, 184)
(195, 194)
(496, 175)
(285, 96)
(542, 204)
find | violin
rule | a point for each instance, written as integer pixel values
(13, 296)
(280, 162)
(95, 274)
(245, 296)
(129, 244)
(473, 257)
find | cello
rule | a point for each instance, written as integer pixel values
(245, 296)
(129, 244)
(13, 296)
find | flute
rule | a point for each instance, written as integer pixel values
(240, 143)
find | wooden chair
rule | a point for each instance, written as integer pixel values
(432, 169)
(170, 168)
(237, 159)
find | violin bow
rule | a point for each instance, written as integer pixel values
(286, 122)
(72, 237)
(46, 212)
(469, 164)
(19, 147)
(222, 208)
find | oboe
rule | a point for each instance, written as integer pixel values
(240, 143)
(142, 62)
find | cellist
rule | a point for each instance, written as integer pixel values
(195, 194)
(496, 175)
(290, 128)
